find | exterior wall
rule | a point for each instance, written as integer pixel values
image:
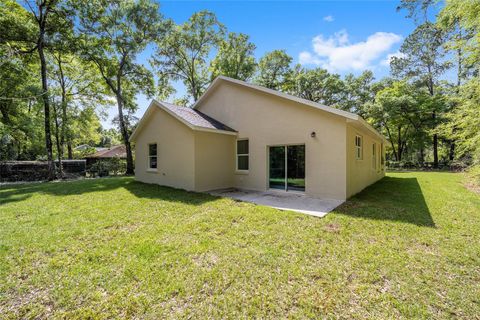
(360, 173)
(214, 161)
(268, 120)
(175, 148)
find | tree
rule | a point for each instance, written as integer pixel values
(417, 9)
(460, 19)
(357, 92)
(46, 19)
(182, 55)
(316, 85)
(396, 113)
(423, 62)
(464, 14)
(234, 58)
(464, 123)
(113, 33)
(21, 114)
(78, 85)
(109, 137)
(273, 69)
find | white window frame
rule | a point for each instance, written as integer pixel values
(374, 156)
(151, 156)
(358, 147)
(242, 154)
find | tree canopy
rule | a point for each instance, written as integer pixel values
(63, 63)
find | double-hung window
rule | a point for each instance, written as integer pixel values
(152, 156)
(374, 156)
(358, 147)
(242, 155)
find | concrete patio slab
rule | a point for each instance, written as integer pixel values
(281, 200)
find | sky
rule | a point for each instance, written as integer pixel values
(340, 36)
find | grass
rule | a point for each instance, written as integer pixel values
(407, 247)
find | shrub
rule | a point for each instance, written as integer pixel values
(100, 168)
(103, 167)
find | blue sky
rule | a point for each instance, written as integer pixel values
(341, 36)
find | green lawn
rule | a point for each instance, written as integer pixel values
(407, 247)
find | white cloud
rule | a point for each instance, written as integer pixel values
(386, 62)
(307, 58)
(337, 53)
(328, 18)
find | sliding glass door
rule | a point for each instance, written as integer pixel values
(296, 168)
(287, 167)
(277, 167)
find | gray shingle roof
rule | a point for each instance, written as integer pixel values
(196, 117)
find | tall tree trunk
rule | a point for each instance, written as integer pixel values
(64, 136)
(46, 101)
(64, 127)
(399, 144)
(451, 153)
(422, 156)
(124, 131)
(435, 142)
(434, 120)
(70, 150)
(5, 115)
(57, 140)
(391, 142)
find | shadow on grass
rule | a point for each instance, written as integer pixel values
(392, 198)
(21, 192)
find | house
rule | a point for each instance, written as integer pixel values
(85, 147)
(118, 151)
(240, 135)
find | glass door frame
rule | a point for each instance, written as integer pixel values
(285, 146)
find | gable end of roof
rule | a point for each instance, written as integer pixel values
(349, 116)
(193, 119)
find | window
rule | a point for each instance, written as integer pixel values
(152, 156)
(242, 155)
(358, 147)
(374, 156)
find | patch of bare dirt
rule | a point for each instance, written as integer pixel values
(472, 187)
(205, 260)
(333, 228)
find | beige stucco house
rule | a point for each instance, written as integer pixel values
(239, 135)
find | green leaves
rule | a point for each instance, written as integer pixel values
(235, 58)
(182, 54)
(273, 69)
(423, 54)
(317, 85)
(115, 32)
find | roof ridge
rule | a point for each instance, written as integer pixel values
(342, 113)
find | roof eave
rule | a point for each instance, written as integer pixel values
(316, 105)
(369, 128)
(173, 114)
(348, 115)
(141, 122)
(232, 133)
